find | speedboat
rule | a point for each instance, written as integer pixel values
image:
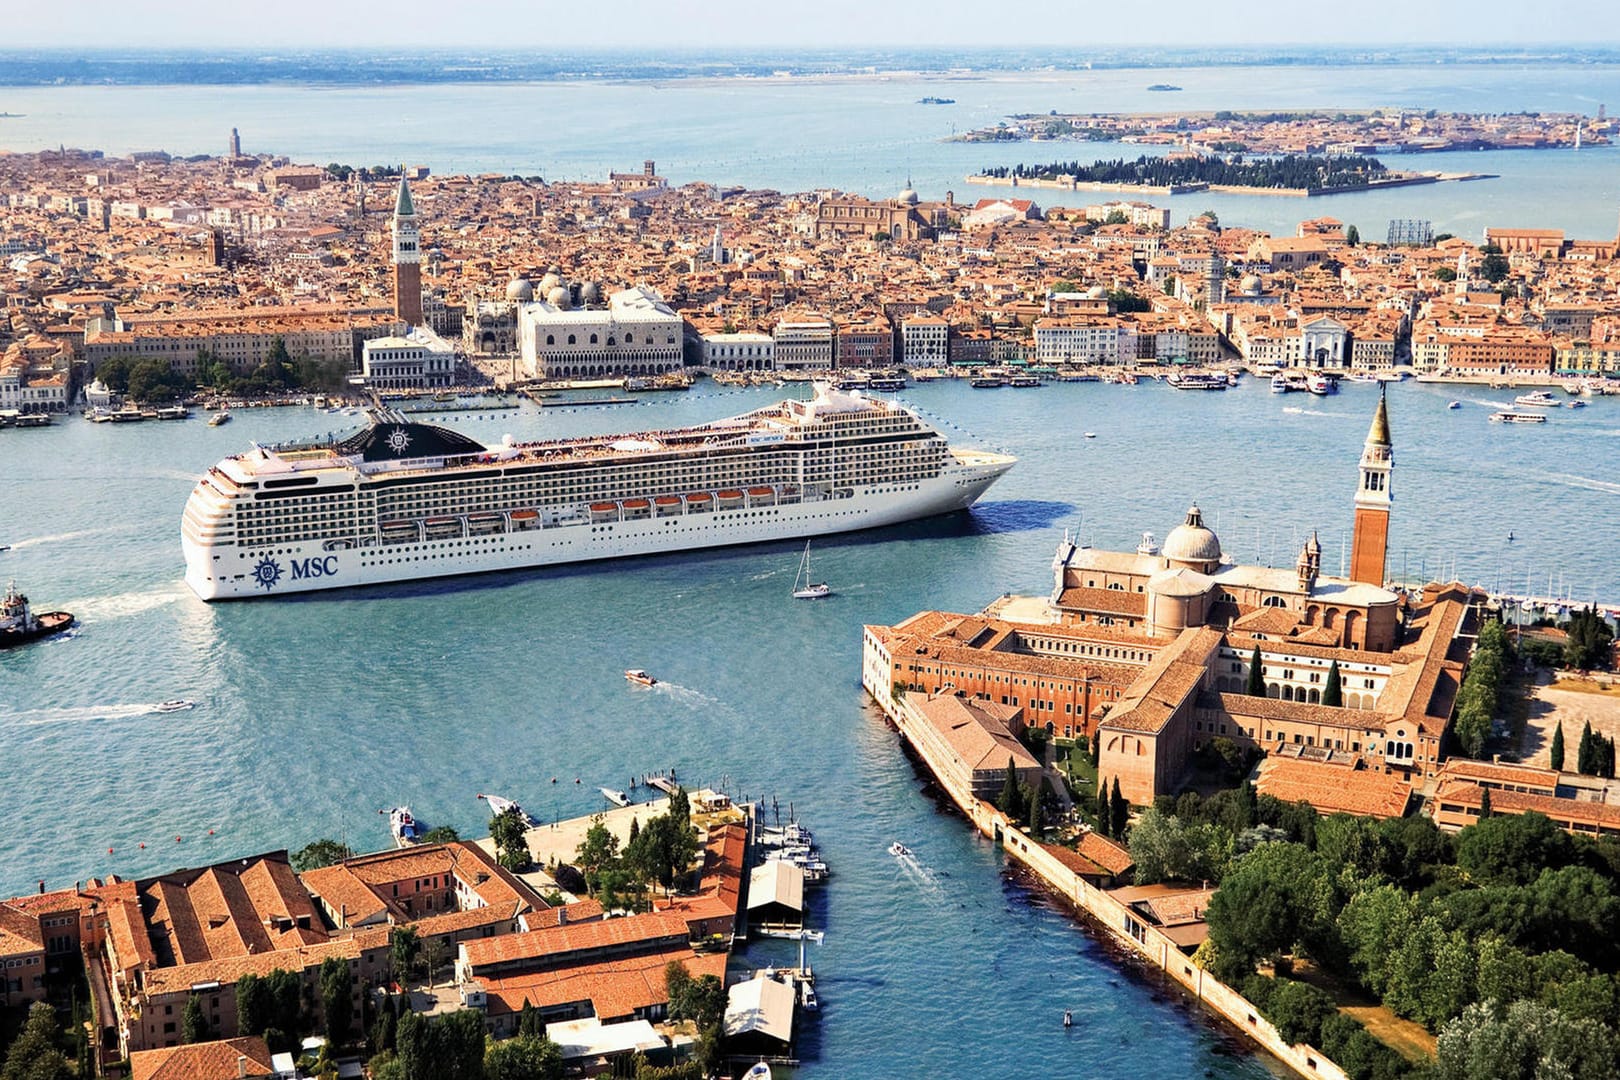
(406, 829)
(761, 1071)
(1539, 399)
(219, 418)
(498, 806)
(1091, 434)
(1576, 404)
(899, 850)
(615, 796)
(174, 705)
(807, 996)
(1454, 405)
(640, 678)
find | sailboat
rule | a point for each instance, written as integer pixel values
(803, 588)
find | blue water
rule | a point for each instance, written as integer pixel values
(863, 134)
(314, 712)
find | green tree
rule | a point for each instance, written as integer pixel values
(1256, 686)
(1007, 802)
(1273, 899)
(254, 1009)
(526, 1057)
(1555, 756)
(1494, 266)
(441, 834)
(1583, 751)
(1332, 692)
(1590, 642)
(530, 1023)
(1523, 1041)
(1484, 803)
(33, 1054)
(1297, 1010)
(1445, 273)
(597, 852)
(1119, 811)
(337, 999)
(1037, 819)
(1352, 235)
(193, 1024)
(509, 831)
(403, 946)
(114, 373)
(1512, 849)
(320, 853)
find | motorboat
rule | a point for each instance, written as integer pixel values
(1319, 385)
(1454, 405)
(807, 996)
(1576, 404)
(1279, 384)
(899, 850)
(1511, 417)
(174, 705)
(615, 796)
(406, 829)
(803, 588)
(761, 1071)
(1091, 434)
(640, 677)
(499, 805)
(219, 418)
(790, 835)
(1538, 399)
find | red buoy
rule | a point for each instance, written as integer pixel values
(143, 845)
(109, 851)
(177, 839)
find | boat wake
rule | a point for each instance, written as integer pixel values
(57, 538)
(684, 693)
(926, 880)
(77, 714)
(1584, 482)
(123, 605)
(1297, 411)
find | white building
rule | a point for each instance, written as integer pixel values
(804, 344)
(739, 352)
(1078, 341)
(1140, 214)
(925, 341)
(419, 359)
(636, 334)
(1325, 343)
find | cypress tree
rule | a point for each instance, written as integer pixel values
(1583, 752)
(1257, 677)
(1119, 811)
(1008, 803)
(1104, 810)
(1484, 803)
(1036, 824)
(1333, 693)
(1556, 758)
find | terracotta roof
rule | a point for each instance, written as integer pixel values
(1458, 768)
(1174, 674)
(1114, 601)
(20, 933)
(556, 942)
(1562, 812)
(1103, 851)
(1334, 789)
(615, 989)
(220, 1060)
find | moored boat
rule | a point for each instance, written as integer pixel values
(615, 796)
(499, 805)
(403, 824)
(18, 624)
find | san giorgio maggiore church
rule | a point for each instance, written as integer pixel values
(1149, 653)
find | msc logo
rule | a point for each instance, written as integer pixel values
(267, 573)
(314, 567)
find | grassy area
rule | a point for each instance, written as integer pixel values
(1076, 765)
(1409, 1039)
(1583, 685)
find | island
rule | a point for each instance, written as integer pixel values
(936, 101)
(1289, 174)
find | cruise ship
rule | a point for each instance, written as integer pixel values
(398, 501)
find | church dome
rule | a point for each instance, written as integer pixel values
(547, 283)
(557, 297)
(1191, 542)
(1096, 292)
(909, 197)
(591, 293)
(1179, 582)
(520, 290)
(1250, 285)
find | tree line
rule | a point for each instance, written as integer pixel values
(1288, 171)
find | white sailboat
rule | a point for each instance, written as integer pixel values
(803, 588)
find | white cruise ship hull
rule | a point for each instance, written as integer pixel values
(229, 573)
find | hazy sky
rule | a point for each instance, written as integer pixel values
(565, 24)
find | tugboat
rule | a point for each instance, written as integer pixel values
(19, 625)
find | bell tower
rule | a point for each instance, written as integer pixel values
(407, 258)
(1370, 547)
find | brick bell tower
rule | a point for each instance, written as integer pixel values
(407, 258)
(1369, 549)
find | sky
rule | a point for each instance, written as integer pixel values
(549, 25)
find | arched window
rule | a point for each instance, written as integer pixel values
(593, 340)
(610, 339)
(628, 338)
(551, 339)
(571, 339)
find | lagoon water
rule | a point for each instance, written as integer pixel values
(316, 711)
(860, 133)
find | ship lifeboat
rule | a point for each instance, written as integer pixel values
(761, 496)
(636, 508)
(484, 524)
(525, 519)
(395, 532)
(604, 511)
(667, 505)
(438, 528)
(729, 498)
(700, 502)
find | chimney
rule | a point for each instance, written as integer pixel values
(562, 916)
(241, 1065)
(42, 886)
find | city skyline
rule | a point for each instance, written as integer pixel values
(732, 24)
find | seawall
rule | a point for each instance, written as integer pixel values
(1122, 924)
